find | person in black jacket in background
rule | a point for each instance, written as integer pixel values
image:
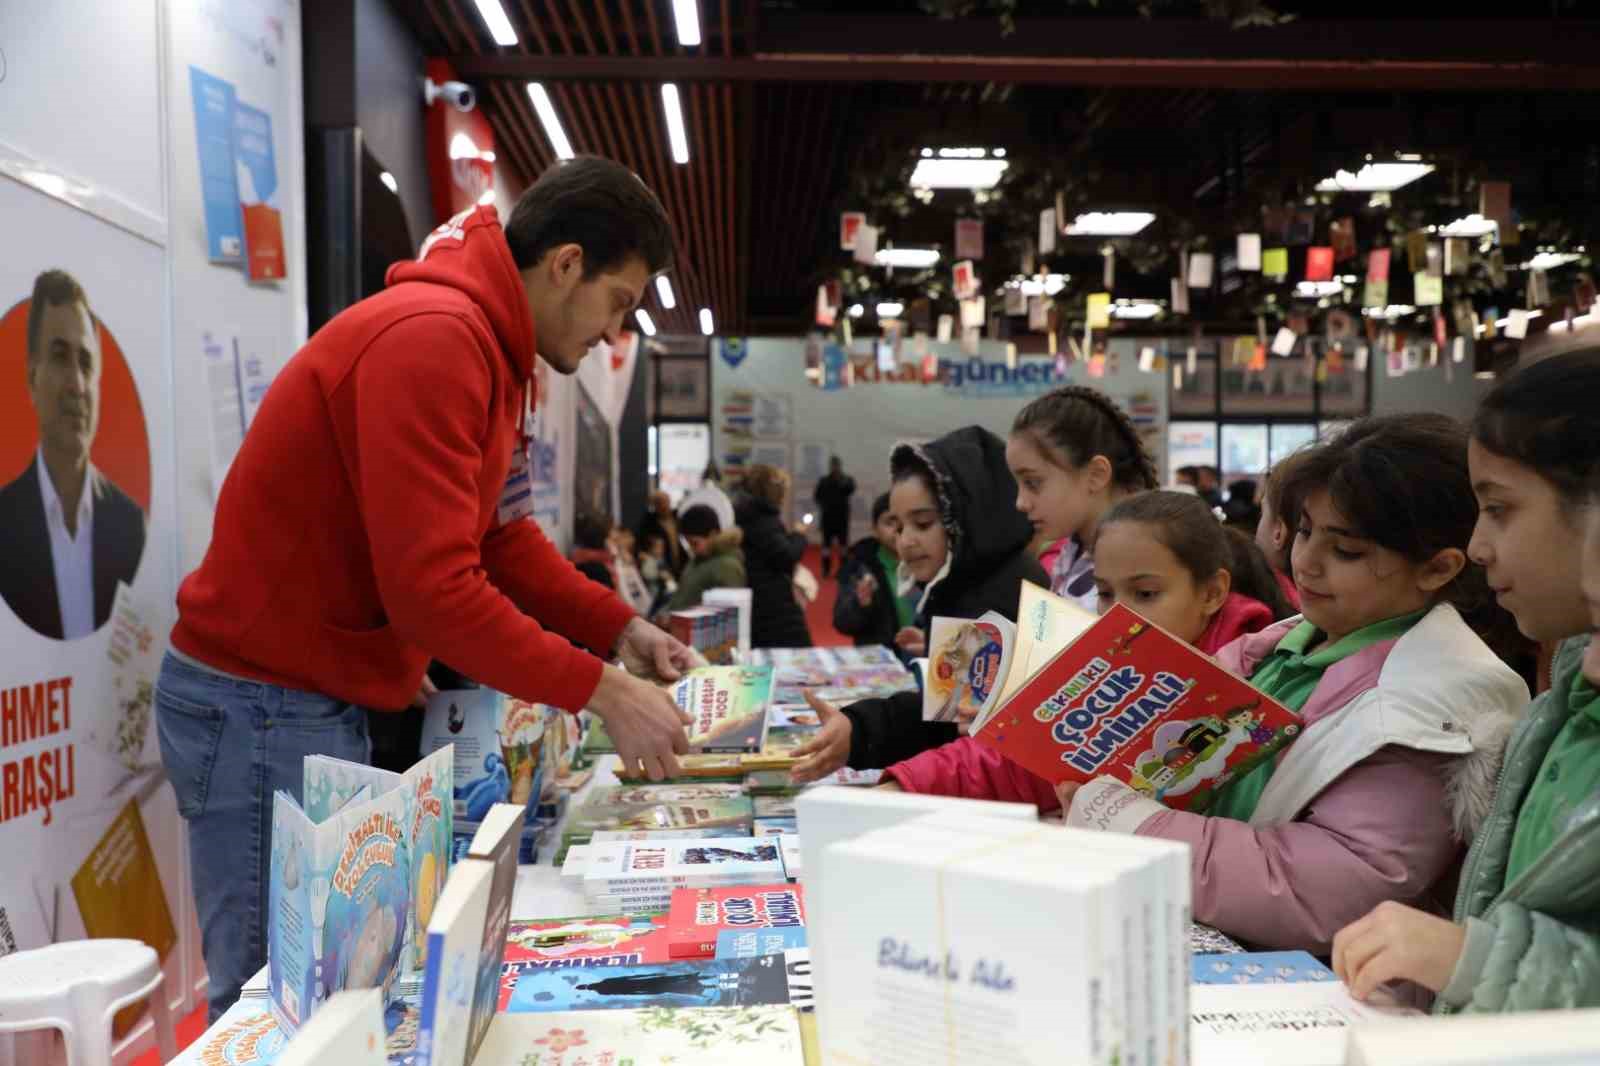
(869, 607)
(963, 539)
(771, 553)
(833, 498)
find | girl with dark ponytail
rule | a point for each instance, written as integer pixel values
(1074, 454)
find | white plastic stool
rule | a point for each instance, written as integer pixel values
(77, 987)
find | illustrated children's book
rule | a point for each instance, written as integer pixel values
(681, 983)
(700, 915)
(499, 746)
(496, 845)
(1129, 700)
(249, 1035)
(1046, 624)
(728, 705)
(1259, 968)
(748, 943)
(714, 1036)
(354, 878)
(349, 1030)
(563, 943)
(967, 658)
(658, 866)
(455, 939)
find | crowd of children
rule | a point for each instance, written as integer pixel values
(1398, 572)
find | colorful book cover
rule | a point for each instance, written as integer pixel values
(219, 184)
(967, 660)
(774, 806)
(248, 1035)
(706, 805)
(502, 854)
(499, 747)
(716, 1036)
(449, 980)
(728, 705)
(699, 915)
(647, 867)
(563, 943)
(682, 983)
(722, 766)
(771, 827)
(1259, 968)
(1129, 700)
(258, 193)
(750, 943)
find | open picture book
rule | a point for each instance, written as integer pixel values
(1078, 696)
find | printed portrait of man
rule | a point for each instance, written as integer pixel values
(67, 534)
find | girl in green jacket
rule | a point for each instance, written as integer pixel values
(1526, 934)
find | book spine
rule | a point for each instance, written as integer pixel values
(625, 885)
(1179, 911)
(428, 1011)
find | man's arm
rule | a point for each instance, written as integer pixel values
(422, 409)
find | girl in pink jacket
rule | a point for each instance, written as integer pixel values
(1165, 555)
(1405, 710)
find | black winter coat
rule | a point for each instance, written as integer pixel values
(771, 553)
(977, 500)
(876, 623)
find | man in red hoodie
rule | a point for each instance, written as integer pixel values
(376, 517)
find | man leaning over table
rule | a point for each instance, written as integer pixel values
(377, 516)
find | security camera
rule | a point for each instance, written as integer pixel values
(458, 94)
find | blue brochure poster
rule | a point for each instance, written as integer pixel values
(219, 186)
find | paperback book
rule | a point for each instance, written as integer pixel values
(711, 1036)
(1259, 968)
(763, 980)
(499, 747)
(967, 658)
(659, 807)
(564, 943)
(649, 868)
(699, 916)
(728, 705)
(1129, 700)
(354, 879)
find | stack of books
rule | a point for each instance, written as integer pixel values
(722, 807)
(639, 877)
(711, 629)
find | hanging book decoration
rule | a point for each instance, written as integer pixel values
(1099, 310)
(1429, 289)
(1457, 256)
(947, 325)
(850, 222)
(1275, 263)
(1538, 289)
(1376, 293)
(1202, 266)
(1416, 251)
(1180, 297)
(972, 313)
(969, 238)
(1494, 204)
(1247, 250)
(1517, 324)
(1434, 259)
(964, 280)
(1047, 231)
(1319, 263)
(826, 313)
(1038, 314)
(1108, 272)
(1439, 334)
(1283, 343)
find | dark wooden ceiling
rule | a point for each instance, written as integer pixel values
(795, 108)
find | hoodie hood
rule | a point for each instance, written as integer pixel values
(469, 254)
(977, 500)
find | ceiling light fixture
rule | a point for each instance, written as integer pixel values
(707, 325)
(1550, 260)
(1473, 225)
(494, 17)
(957, 173)
(675, 132)
(891, 309)
(547, 118)
(664, 292)
(913, 258)
(686, 13)
(647, 325)
(1109, 223)
(1376, 177)
(1393, 311)
(1135, 309)
(388, 180)
(856, 310)
(1314, 289)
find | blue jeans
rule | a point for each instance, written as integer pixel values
(228, 745)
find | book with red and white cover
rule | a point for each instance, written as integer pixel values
(699, 915)
(1129, 700)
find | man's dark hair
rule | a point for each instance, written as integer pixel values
(52, 289)
(599, 205)
(699, 521)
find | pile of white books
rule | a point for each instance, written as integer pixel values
(975, 939)
(639, 876)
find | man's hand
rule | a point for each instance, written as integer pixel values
(654, 653)
(911, 641)
(1396, 941)
(828, 750)
(428, 689)
(647, 727)
(865, 589)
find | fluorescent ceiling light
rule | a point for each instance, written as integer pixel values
(494, 17)
(664, 292)
(907, 257)
(966, 153)
(958, 173)
(647, 325)
(1392, 311)
(891, 309)
(1135, 309)
(856, 310)
(1109, 223)
(686, 13)
(1580, 322)
(1052, 284)
(547, 118)
(1504, 322)
(675, 134)
(388, 179)
(707, 325)
(1319, 288)
(1550, 260)
(1375, 177)
(1473, 225)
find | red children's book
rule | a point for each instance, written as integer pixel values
(1129, 700)
(699, 914)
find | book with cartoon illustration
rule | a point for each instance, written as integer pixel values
(681, 983)
(699, 916)
(710, 1036)
(968, 658)
(658, 866)
(499, 747)
(1128, 700)
(728, 705)
(655, 807)
(354, 877)
(562, 943)
(248, 1034)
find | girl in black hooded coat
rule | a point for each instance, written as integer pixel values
(962, 536)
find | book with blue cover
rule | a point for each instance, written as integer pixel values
(751, 943)
(689, 983)
(1259, 968)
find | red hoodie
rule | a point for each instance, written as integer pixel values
(357, 534)
(971, 770)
